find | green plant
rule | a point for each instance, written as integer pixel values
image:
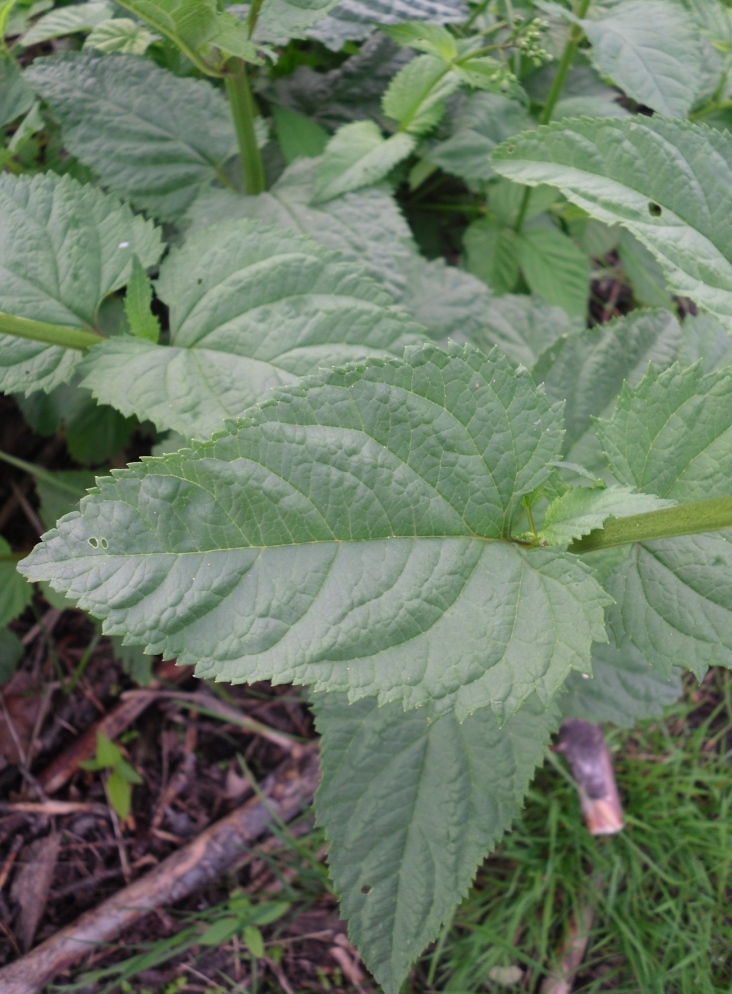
(120, 776)
(440, 539)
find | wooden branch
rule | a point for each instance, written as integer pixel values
(219, 849)
(583, 746)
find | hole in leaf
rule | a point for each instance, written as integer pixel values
(199, 281)
(366, 889)
(654, 209)
(93, 542)
(104, 543)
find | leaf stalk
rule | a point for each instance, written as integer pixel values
(670, 522)
(244, 113)
(50, 334)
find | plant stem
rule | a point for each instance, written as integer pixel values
(39, 473)
(50, 334)
(671, 522)
(244, 112)
(575, 36)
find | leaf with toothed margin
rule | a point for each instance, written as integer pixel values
(667, 181)
(350, 534)
(64, 247)
(251, 308)
(674, 596)
(578, 512)
(411, 807)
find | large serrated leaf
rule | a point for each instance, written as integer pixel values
(150, 136)
(667, 181)
(64, 247)
(651, 50)
(349, 535)
(411, 807)
(623, 688)
(674, 597)
(251, 308)
(522, 327)
(356, 19)
(365, 226)
(66, 21)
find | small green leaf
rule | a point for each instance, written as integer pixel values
(654, 176)
(492, 254)
(411, 806)
(358, 155)
(66, 21)
(266, 912)
(416, 95)
(393, 475)
(11, 652)
(583, 509)
(119, 794)
(292, 18)
(150, 136)
(523, 327)
(16, 97)
(121, 34)
(432, 39)
(59, 492)
(298, 136)
(220, 932)
(143, 323)
(253, 940)
(357, 19)
(108, 755)
(127, 772)
(15, 592)
(555, 268)
(651, 50)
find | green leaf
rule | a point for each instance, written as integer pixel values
(253, 940)
(623, 688)
(644, 273)
(15, 592)
(449, 302)
(16, 97)
(291, 18)
(430, 38)
(523, 327)
(218, 933)
(485, 120)
(276, 543)
(666, 181)
(119, 794)
(416, 96)
(365, 226)
(298, 136)
(411, 806)
(194, 26)
(491, 254)
(555, 268)
(358, 155)
(150, 136)
(108, 754)
(137, 665)
(64, 247)
(143, 323)
(121, 34)
(649, 443)
(250, 308)
(67, 21)
(128, 772)
(674, 596)
(580, 511)
(11, 652)
(60, 492)
(357, 19)
(651, 50)
(587, 369)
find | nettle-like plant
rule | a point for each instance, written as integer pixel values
(447, 508)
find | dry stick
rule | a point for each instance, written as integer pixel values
(571, 953)
(288, 791)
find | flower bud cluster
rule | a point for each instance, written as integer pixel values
(529, 42)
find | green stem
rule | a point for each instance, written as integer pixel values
(672, 522)
(244, 112)
(12, 557)
(50, 334)
(575, 36)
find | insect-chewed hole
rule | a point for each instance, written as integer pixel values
(366, 889)
(104, 543)
(654, 210)
(93, 542)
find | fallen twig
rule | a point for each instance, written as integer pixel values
(583, 746)
(571, 953)
(218, 849)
